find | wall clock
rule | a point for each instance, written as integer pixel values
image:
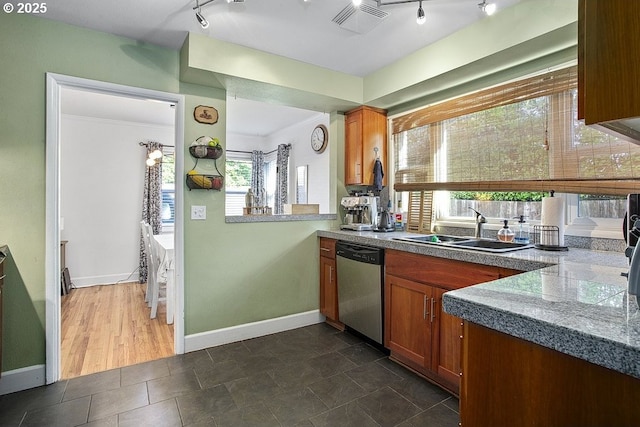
(319, 138)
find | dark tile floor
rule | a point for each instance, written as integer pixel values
(312, 376)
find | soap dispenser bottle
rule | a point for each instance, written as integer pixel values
(506, 234)
(522, 235)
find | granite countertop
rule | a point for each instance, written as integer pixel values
(574, 302)
(243, 219)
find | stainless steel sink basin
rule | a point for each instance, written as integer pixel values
(492, 245)
(433, 238)
(484, 245)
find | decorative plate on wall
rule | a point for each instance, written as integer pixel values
(204, 114)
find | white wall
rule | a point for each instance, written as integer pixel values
(299, 136)
(101, 178)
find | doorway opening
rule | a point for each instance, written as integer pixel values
(78, 144)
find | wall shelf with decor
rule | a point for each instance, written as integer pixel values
(198, 181)
(209, 149)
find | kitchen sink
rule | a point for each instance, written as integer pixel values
(492, 245)
(485, 245)
(433, 238)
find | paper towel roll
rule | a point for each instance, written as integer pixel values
(553, 215)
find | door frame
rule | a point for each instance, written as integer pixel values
(54, 84)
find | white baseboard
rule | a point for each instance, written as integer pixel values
(83, 282)
(247, 331)
(22, 379)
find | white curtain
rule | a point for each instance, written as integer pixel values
(282, 181)
(151, 203)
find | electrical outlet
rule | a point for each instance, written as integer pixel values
(198, 212)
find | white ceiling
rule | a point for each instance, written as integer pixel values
(297, 29)
(76, 102)
(244, 117)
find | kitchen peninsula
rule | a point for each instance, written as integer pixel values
(558, 344)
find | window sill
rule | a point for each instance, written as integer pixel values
(242, 219)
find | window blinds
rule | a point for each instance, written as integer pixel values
(521, 136)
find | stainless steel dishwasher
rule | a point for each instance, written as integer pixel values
(359, 272)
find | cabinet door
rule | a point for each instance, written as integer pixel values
(328, 288)
(353, 148)
(447, 344)
(608, 45)
(407, 320)
(374, 143)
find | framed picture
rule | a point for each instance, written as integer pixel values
(204, 114)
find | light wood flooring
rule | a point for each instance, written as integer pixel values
(106, 327)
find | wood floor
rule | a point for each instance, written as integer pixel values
(106, 327)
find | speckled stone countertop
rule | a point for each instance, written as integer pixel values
(574, 302)
(242, 219)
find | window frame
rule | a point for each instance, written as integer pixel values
(574, 225)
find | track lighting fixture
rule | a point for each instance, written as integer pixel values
(200, 17)
(421, 18)
(488, 8)
(357, 3)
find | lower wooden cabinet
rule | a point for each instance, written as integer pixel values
(550, 388)
(328, 282)
(418, 332)
(408, 327)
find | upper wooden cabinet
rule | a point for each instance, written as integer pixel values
(608, 60)
(365, 130)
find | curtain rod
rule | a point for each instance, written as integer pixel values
(250, 152)
(146, 144)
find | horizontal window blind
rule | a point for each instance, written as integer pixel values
(522, 136)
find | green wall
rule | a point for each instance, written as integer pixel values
(235, 273)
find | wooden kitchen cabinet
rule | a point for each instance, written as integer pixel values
(418, 332)
(328, 282)
(512, 382)
(608, 60)
(408, 331)
(365, 130)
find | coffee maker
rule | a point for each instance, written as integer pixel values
(361, 212)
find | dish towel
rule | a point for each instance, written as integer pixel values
(378, 174)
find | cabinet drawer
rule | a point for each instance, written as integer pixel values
(328, 247)
(445, 273)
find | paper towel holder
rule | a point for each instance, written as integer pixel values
(547, 233)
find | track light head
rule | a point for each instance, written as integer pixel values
(488, 8)
(200, 17)
(421, 19)
(202, 20)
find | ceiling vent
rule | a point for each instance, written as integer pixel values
(359, 19)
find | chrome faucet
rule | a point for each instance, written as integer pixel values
(480, 219)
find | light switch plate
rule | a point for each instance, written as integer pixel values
(198, 212)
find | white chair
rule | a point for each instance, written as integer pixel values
(151, 272)
(154, 282)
